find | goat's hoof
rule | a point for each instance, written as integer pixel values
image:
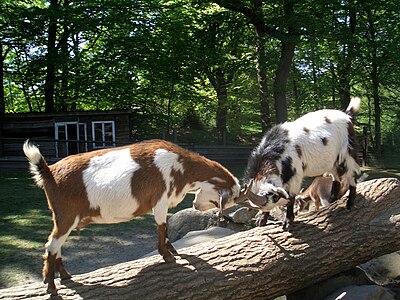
(261, 220)
(171, 248)
(64, 275)
(287, 224)
(52, 290)
(349, 205)
(169, 258)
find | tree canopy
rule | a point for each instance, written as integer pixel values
(225, 66)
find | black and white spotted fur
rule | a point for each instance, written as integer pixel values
(319, 142)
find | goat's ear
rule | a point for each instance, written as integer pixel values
(282, 193)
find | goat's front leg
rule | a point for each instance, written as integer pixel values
(289, 219)
(262, 219)
(335, 191)
(60, 268)
(351, 198)
(165, 247)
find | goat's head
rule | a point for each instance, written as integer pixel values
(267, 197)
(210, 198)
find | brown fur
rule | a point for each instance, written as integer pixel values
(320, 188)
(67, 197)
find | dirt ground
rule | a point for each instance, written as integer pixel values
(91, 251)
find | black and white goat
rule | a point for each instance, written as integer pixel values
(119, 184)
(319, 142)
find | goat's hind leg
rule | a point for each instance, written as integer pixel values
(64, 275)
(351, 181)
(48, 272)
(52, 259)
(335, 190)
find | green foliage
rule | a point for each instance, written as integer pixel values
(161, 59)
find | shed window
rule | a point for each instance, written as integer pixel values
(103, 134)
(70, 138)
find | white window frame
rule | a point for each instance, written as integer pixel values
(56, 135)
(102, 143)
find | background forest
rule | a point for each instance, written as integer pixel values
(208, 69)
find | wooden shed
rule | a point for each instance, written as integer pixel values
(61, 134)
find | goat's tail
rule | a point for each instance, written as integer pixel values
(38, 165)
(354, 106)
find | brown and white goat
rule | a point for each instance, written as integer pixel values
(318, 193)
(319, 142)
(116, 185)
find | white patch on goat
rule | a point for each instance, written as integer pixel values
(311, 144)
(166, 161)
(54, 245)
(160, 211)
(203, 196)
(108, 180)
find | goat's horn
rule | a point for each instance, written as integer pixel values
(256, 199)
(223, 198)
(243, 193)
(249, 204)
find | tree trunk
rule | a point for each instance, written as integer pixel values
(261, 263)
(64, 97)
(345, 61)
(77, 75)
(50, 59)
(261, 67)
(2, 96)
(220, 82)
(281, 78)
(221, 87)
(288, 44)
(375, 83)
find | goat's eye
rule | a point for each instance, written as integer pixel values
(275, 197)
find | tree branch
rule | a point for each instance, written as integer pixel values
(261, 263)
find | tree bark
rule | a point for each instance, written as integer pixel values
(375, 82)
(261, 263)
(281, 78)
(2, 95)
(50, 81)
(345, 61)
(288, 45)
(220, 83)
(266, 122)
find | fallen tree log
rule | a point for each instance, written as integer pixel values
(261, 263)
